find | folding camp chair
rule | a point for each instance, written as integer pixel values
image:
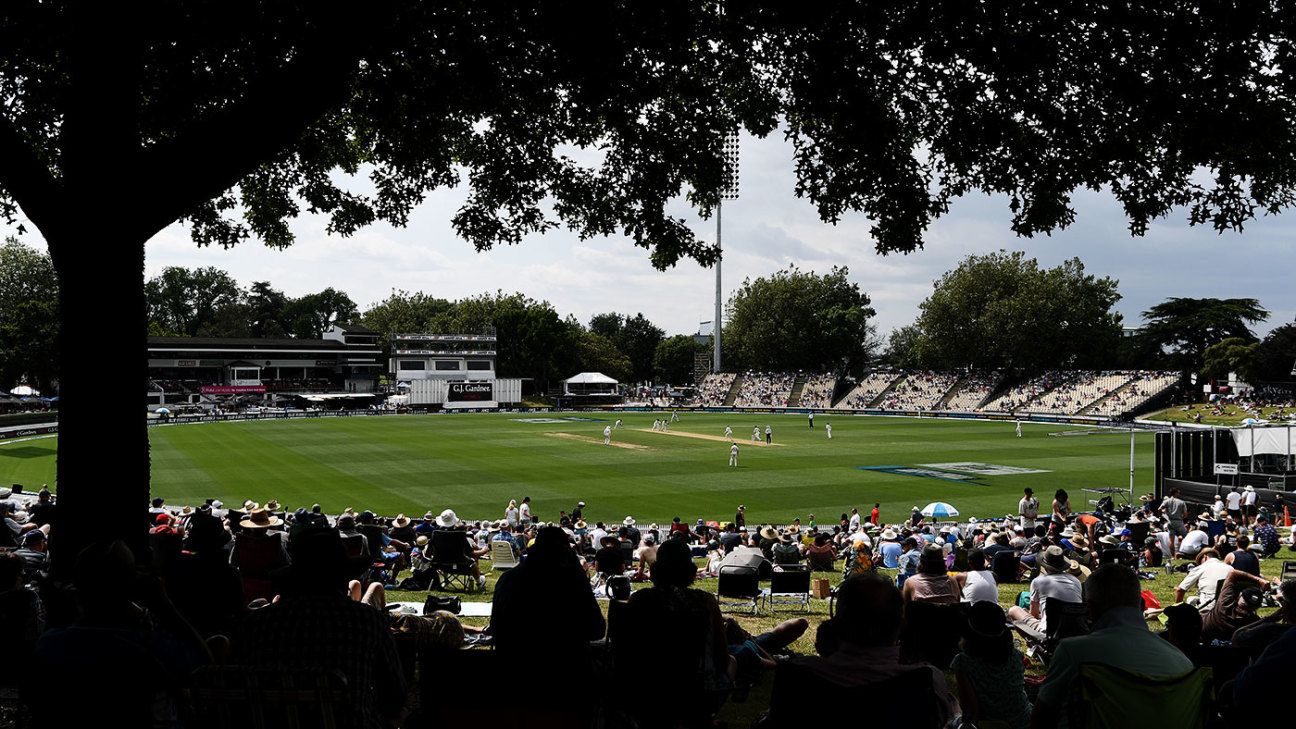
(451, 561)
(502, 557)
(1288, 570)
(1006, 566)
(1106, 697)
(789, 585)
(739, 587)
(1065, 620)
(230, 697)
(668, 645)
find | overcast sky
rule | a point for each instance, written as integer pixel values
(767, 228)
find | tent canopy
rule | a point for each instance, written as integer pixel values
(589, 378)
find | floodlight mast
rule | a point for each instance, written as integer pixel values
(728, 191)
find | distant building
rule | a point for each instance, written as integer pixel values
(443, 356)
(187, 369)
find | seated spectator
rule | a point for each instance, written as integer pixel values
(1056, 582)
(1243, 558)
(258, 553)
(1235, 606)
(1152, 555)
(22, 615)
(991, 682)
(1119, 638)
(609, 560)
(1259, 684)
(647, 553)
(1184, 629)
(907, 564)
(545, 607)
(1255, 637)
(34, 553)
(863, 641)
(1192, 544)
(126, 655)
(671, 594)
(933, 582)
(1208, 572)
(890, 549)
(451, 544)
(821, 556)
(786, 551)
(978, 583)
(201, 582)
(316, 625)
(1266, 536)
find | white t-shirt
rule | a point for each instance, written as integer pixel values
(1234, 500)
(1217, 509)
(980, 586)
(1205, 577)
(1193, 543)
(854, 523)
(596, 537)
(525, 511)
(1028, 508)
(511, 515)
(1062, 586)
(1249, 498)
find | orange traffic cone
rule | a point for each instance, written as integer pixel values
(1286, 517)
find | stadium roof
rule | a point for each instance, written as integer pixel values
(242, 343)
(590, 378)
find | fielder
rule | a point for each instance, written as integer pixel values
(674, 416)
(729, 432)
(617, 424)
(828, 430)
(756, 433)
(607, 435)
(733, 455)
(1019, 429)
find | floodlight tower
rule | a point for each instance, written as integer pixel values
(728, 191)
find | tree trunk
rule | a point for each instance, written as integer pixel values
(103, 450)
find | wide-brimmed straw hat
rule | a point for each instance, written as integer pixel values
(447, 519)
(401, 521)
(259, 519)
(767, 532)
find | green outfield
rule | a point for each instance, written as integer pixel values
(475, 463)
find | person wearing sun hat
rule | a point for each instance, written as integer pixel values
(988, 670)
(630, 532)
(890, 549)
(258, 553)
(1055, 582)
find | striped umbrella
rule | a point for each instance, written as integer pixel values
(939, 510)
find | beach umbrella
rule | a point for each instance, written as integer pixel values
(939, 510)
(163, 411)
(24, 390)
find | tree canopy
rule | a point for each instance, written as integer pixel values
(1182, 328)
(120, 119)
(28, 317)
(799, 320)
(1003, 311)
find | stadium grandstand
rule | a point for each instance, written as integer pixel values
(193, 370)
(1074, 395)
(867, 390)
(1021, 394)
(715, 389)
(818, 391)
(764, 389)
(1100, 394)
(971, 391)
(919, 391)
(1131, 396)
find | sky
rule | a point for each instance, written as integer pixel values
(766, 229)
